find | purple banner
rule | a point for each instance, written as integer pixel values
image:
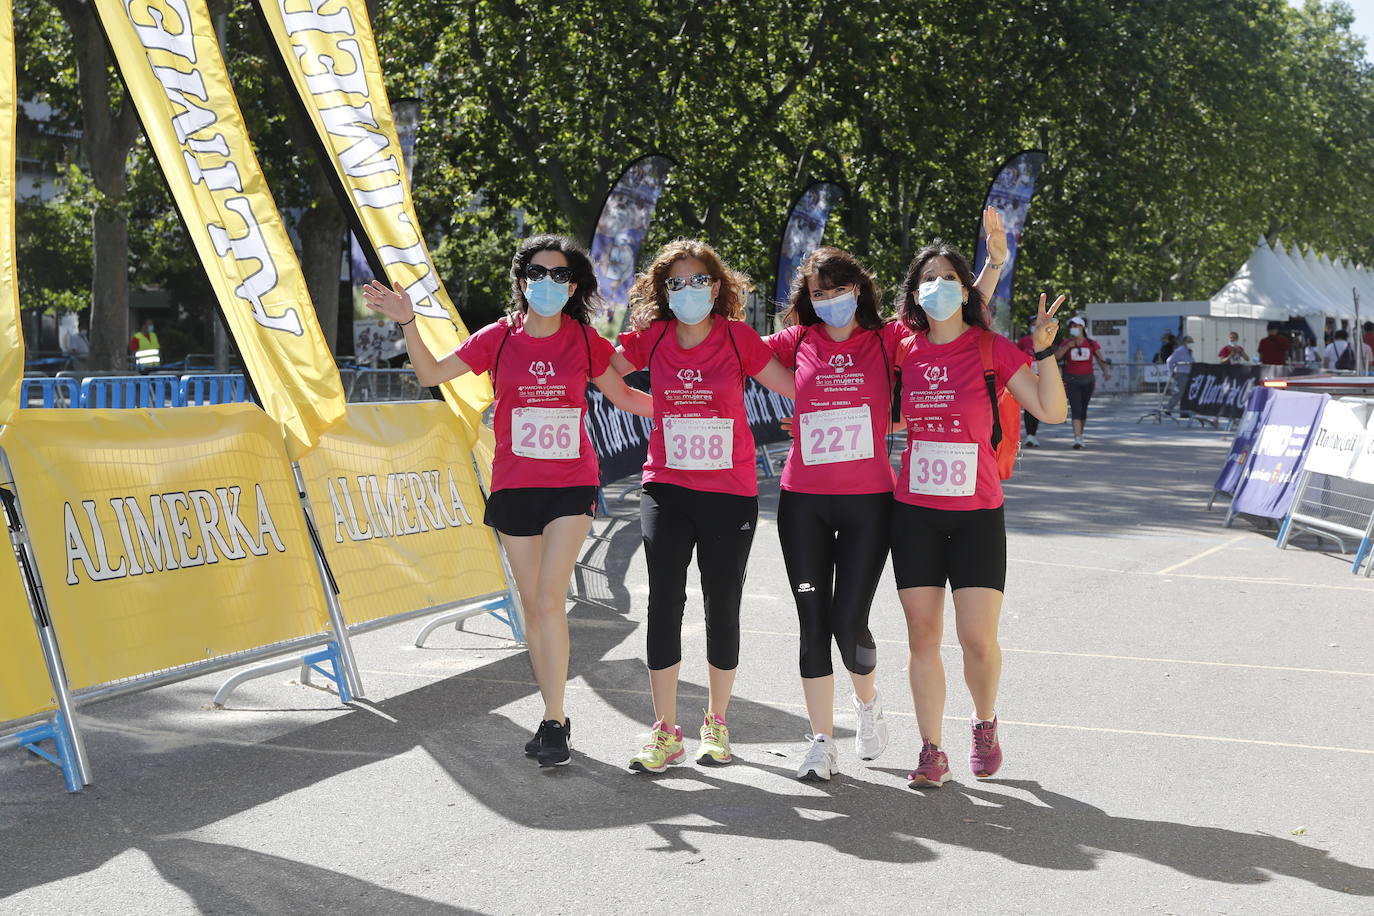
(1285, 431)
(620, 233)
(805, 228)
(1010, 193)
(1245, 439)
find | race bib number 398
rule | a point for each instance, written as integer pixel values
(546, 433)
(831, 436)
(699, 443)
(943, 468)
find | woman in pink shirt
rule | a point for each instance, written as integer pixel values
(700, 482)
(545, 472)
(947, 523)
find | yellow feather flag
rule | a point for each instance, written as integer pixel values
(332, 61)
(11, 333)
(170, 60)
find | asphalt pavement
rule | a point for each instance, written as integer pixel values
(1186, 718)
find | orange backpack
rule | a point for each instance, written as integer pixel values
(1006, 412)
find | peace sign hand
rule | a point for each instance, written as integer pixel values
(995, 230)
(1046, 325)
(394, 303)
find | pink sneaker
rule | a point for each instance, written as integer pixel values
(986, 756)
(931, 770)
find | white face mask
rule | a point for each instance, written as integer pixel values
(1075, 331)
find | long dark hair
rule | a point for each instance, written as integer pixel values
(835, 267)
(585, 300)
(909, 311)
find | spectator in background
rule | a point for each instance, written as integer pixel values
(1340, 353)
(1180, 364)
(1273, 349)
(78, 350)
(1166, 347)
(1369, 334)
(1233, 352)
(1032, 422)
(1310, 357)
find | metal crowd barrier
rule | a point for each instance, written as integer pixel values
(1335, 509)
(131, 391)
(384, 385)
(54, 392)
(213, 389)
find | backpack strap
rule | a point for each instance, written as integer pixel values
(729, 332)
(796, 351)
(648, 363)
(497, 361)
(990, 379)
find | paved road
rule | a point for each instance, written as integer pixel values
(1186, 715)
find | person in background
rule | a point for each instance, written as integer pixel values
(1031, 421)
(1180, 363)
(1273, 350)
(1340, 353)
(145, 349)
(1166, 347)
(1233, 353)
(1368, 329)
(1311, 358)
(78, 350)
(1078, 352)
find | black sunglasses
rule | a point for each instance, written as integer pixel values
(697, 281)
(536, 272)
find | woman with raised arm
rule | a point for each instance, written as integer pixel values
(545, 472)
(700, 482)
(947, 521)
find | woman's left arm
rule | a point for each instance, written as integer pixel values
(632, 400)
(1042, 396)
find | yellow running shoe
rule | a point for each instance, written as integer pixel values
(715, 742)
(664, 749)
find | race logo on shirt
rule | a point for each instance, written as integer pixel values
(688, 376)
(542, 370)
(841, 361)
(935, 375)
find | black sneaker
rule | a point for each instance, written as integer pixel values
(553, 747)
(532, 746)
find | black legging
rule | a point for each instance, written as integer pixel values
(1031, 422)
(835, 548)
(1079, 388)
(720, 526)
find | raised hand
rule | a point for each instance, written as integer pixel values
(1046, 325)
(995, 229)
(394, 303)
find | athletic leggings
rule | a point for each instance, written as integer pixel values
(1031, 422)
(835, 548)
(1079, 388)
(674, 520)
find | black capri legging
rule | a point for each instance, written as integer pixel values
(967, 549)
(720, 526)
(835, 548)
(1079, 388)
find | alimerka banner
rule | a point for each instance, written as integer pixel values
(620, 232)
(11, 336)
(170, 60)
(331, 60)
(1010, 193)
(396, 499)
(1215, 390)
(803, 234)
(163, 537)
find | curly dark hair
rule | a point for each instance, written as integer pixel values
(909, 311)
(585, 302)
(835, 267)
(649, 297)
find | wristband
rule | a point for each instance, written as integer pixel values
(1045, 353)
(401, 324)
(996, 266)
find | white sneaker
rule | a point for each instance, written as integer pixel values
(870, 740)
(821, 760)
(1032, 442)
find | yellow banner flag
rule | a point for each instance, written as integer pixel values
(11, 336)
(332, 61)
(24, 685)
(170, 60)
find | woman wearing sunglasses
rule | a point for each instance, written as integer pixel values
(700, 483)
(545, 472)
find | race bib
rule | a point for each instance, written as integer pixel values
(943, 468)
(831, 436)
(699, 443)
(546, 433)
(1081, 354)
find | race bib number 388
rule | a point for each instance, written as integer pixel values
(546, 432)
(699, 443)
(943, 468)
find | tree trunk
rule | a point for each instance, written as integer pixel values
(106, 138)
(321, 232)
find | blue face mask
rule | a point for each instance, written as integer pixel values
(941, 298)
(546, 297)
(690, 304)
(837, 312)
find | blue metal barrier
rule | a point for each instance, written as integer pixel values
(212, 389)
(131, 391)
(57, 392)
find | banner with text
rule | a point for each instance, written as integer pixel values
(620, 232)
(1010, 193)
(163, 537)
(170, 60)
(1244, 440)
(11, 333)
(1339, 439)
(331, 59)
(803, 234)
(396, 499)
(1285, 433)
(1214, 390)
